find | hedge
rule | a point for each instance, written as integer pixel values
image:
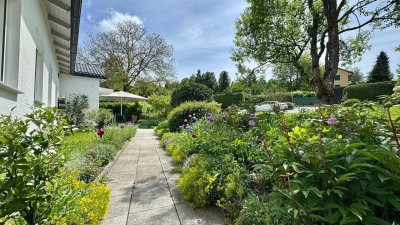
(369, 91)
(182, 112)
(127, 108)
(303, 94)
(279, 97)
(190, 92)
(229, 99)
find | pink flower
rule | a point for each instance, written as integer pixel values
(332, 121)
(252, 123)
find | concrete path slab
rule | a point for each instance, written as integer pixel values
(145, 192)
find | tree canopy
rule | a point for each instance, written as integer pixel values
(282, 31)
(224, 81)
(357, 76)
(129, 53)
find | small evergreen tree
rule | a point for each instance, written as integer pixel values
(210, 81)
(380, 71)
(224, 81)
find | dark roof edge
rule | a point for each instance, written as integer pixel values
(89, 76)
(76, 7)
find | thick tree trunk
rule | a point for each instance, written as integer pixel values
(332, 53)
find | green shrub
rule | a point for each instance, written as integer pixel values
(180, 113)
(279, 97)
(190, 92)
(74, 107)
(30, 159)
(303, 94)
(148, 123)
(77, 202)
(351, 102)
(100, 117)
(160, 105)
(229, 99)
(127, 108)
(369, 91)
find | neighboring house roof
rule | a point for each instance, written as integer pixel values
(345, 70)
(89, 70)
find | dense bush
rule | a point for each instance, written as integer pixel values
(29, 160)
(369, 91)
(190, 92)
(127, 108)
(160, 104)
(229, 99)
(99, 117)
(148, 123)
(74, 108)
(279, 97)
(351, 102)
(180, 113)
(333, 166)
(303, 94)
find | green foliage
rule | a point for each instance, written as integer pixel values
(289, 77)
(369, 91)
(29, 150)
(303, 94)
(380, 72)
(224, 81)
(77, 202)
(127, 108)
(229, 99)
(160, 104)
(100, 117)
(357, 77)
(162, 128)
(279, 97)
(113, 67)
(190, 92)
(351, 102)
(180, 113)
(87, 153)
(148, 123)
(74, 107)
(335, 165)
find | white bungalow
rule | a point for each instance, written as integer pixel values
(38, 47)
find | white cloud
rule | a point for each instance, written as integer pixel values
(115, 17)
(89, 18)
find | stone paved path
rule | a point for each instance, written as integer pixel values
(144, 191)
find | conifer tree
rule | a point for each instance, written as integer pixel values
(380, 71)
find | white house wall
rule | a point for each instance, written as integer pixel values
(76, 85)
(34, 33)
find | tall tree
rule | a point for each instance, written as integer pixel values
(357, 76)
(142, 55)
(282, 31)
(381, 70)
(224, 81)
(210, 81)
(289, 77)
(114, 69)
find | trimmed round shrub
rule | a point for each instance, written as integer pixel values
(229, 99)
(180, 113)
(351, 102)
(369, 91)
(190, 92)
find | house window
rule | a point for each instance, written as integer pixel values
(38, 93)
(337, 77)
(3, 16)
(337, 85)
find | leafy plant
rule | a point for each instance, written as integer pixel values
(191, 92)
(351, 102)
(74, 108)
(100, 117)
(29, 150)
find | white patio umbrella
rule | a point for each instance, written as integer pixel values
(121, 97)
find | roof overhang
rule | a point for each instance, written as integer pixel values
(64, 19)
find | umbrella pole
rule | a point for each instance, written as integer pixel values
(121, 106)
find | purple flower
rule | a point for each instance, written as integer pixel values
(210, 117)
(252, 116)
(194, 119)
(252, 123)
(188, 129)
(225, 116)
(332, 121)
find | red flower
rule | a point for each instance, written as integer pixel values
(100, 132)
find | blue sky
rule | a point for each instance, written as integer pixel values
(201, 31)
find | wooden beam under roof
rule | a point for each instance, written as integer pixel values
(58, 52)
(63, 59)
(58, 21)
(63, 65)
(60, 4)
(60, 35)
(58, 44)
